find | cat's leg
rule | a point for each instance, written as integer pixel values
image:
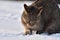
(28, 31)
(52, 29)
(39, 32)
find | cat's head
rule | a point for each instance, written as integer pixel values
(32, 14)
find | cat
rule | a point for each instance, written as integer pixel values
(41, 16)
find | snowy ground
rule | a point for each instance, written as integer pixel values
(10, 23)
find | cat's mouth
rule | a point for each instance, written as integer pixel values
(34, 27)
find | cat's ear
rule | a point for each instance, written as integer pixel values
(26, 7)
(40, 9)
(37, 0)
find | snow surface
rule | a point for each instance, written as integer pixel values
(11, 27)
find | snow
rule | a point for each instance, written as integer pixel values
(10, 15)
(11, 27)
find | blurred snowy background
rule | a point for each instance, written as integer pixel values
(17, 0)
(11, 27)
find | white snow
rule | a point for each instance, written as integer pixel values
(11, 27)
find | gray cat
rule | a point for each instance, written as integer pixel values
(41, 16)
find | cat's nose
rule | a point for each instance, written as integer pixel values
(31, 23)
